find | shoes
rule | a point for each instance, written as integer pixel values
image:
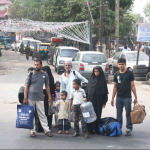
(59, 132)
(128, 132)
(67, 132)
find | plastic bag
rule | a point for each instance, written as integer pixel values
(25, 116)
(51, 110)
(71, 116)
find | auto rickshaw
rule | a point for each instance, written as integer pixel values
(41, 51)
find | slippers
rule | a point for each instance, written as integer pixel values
(49, 134)
(75, 135)
(32, 134)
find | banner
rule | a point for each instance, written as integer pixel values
(143, 32)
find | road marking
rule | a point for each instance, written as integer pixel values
(110, 146)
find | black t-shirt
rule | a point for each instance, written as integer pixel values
(124, 83)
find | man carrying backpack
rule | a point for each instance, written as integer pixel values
(123, 84)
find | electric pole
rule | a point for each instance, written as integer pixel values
(101, 26)
(117, 24)
(90, 28)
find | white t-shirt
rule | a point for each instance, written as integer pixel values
(78, 96)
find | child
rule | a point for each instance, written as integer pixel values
(77, 98)
(57, 97)
(63, 112)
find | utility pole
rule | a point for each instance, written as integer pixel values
(100, 26)
(90, 29)
(117, 24)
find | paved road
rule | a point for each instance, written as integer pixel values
(12, 138)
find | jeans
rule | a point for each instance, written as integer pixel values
(120, 103)
(60, 125)
(77, 116)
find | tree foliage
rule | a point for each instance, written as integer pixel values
(74, 11)
(147, 10)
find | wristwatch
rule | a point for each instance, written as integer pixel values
(50, 98)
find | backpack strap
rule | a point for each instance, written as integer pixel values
(74, 74)
(31, 73)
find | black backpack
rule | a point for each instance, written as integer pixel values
(21, 90)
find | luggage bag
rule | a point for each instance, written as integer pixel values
(109, 127)
(138, 114)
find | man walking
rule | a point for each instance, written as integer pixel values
(33, 94)
(123, 84)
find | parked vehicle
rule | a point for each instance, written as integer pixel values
(18, 43)
(41, 51)
(131, 58)
(62, 54)
(26, 40)
(85, 61)
(6, 43)
(32, 45)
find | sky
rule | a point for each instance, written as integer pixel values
(139, 6)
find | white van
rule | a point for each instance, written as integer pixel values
(32, 44)
(26, 40)
(62, 54)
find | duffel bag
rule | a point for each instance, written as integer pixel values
(138, 114)
(109, 127)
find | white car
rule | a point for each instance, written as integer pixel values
(18, 43)
(131, 58)
(85, 61)
(62, 54)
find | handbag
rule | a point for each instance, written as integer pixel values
(21, 90)
(137, 114)
(25, 116)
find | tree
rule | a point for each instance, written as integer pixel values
(29, 9)
(76, 11)
(147, 10)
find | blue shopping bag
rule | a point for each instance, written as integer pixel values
(25, 116)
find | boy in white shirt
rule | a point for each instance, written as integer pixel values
(78, 96)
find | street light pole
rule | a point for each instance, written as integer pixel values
(100, 26)
(117, 24)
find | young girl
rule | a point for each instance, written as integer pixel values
(57, 97)
(63, 113)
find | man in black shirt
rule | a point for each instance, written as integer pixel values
(123, 84)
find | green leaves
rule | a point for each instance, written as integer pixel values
(76, 11)
(147, 10)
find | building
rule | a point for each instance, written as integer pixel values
(4, 5)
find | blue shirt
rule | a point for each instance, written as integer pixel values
(67, 83)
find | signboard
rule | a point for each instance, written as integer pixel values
(143, 32)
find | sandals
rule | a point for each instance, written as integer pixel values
(86, 136)
(32, 134)
(75, 135)
(49, 134)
